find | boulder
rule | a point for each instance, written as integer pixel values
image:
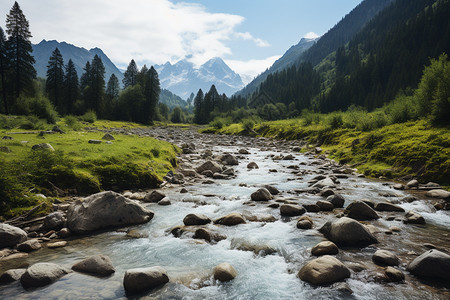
(252, 165)
(142, 279)
(273, 190)
(11, 275)
(54, 221)
(104, 210)
(209, 166)
(438, 193)
(359, 210)
(231, 220)
(42, 274)
(136, 234)
(43, 146)
(229, 160)
(324, 270)
(188, 172)
(154, 197)
(196, 219)
(311, 207)
(337, 200)
(57, 129)
(347, 232)
(433, 264)
(291, 210)
(325, 205)
(228, 172)
(29, 246)
(224, 272)
(262, 194)
(386, 206)
(100, 265)
(411, 217)
(94, 141)
(412, 183)
(304, 222)
(327, 182)
(394, 275)
(325, 248)
(11, 235)
(164, 202)
(243, 151)
(108, 137)
(385, 258)
(204, 234)
(59, 244)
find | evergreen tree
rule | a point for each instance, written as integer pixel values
(85, 79)
(71, 87)
(97, 86)
(3, 67)
(152, 90)
(112, 87)
(18, 52)
(141, 76)
(130, 75)
(198, 107)
(55, 80)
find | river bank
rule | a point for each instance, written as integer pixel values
(268, 248)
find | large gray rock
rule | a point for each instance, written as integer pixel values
(438, 193)
(433, 264)
(42, 274)
(142, 279)
(348, 232)
(262, 194)
(337, 200)
(104, 210)
(325, 248)
(100, 265)
(359, 210)
(43, 146)
(394, 275)
(224, 272)
(54, 221)
(324, 270)
(411, 217)
(196, 219)
(385, 258)
(11, 235)
(326, 182)
(209, 166)
(291, 210)
(229, 160)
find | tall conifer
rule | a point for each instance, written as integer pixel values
(54, 85)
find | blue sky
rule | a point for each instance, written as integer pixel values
(248, 34)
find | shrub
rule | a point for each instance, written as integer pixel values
(32, 122)
(72, 122)
(335, 121)
(90, 116)
(248, 124)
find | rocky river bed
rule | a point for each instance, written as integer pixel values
(264, 208)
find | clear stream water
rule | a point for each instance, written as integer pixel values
(189, 262)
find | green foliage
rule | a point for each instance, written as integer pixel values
(335, 120)
(54, 86)
(72, 122)
(90, 116)
(177, 115)
(220, 122)
(401, 109)
(39, 106)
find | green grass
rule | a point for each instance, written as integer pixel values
(416, 148)
(78, 167)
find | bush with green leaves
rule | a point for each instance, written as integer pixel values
(90, 116)
(72, 122)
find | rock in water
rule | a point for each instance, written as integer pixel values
(325, 248)
(209, 166)
(231, 220)
(385, 206)
(261, 195)
(97, 265)
(348, 232)
(154, 196)
(142, 279)
(29, 246)
(224, 272)
(292, 210)
(394, 275)
(54, 221)
(324, 270)
(432, 264)
(11, 275)
(196, 219)
(229, 160)
(42, 274)
(337, 200)
(11, 235)
(385, 258)
(103, 210)
(412, 217)
(359, 210)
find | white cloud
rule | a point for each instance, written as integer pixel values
(311, 35)
(152, 31)
(251, 68)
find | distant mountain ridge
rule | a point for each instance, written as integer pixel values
(79, 56)
(288, 59)
(183, 78)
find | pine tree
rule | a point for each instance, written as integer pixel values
(18, 52)
(198, 107)
(97, 85)
(152, 90)
(55, 80)
(130, 75)
(85, 79)
(3, 65)
(112, 87)
(141, 76)
(71, 87)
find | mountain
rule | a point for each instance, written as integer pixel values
(79, 56)
(183, 78)
(288, 59)
(314, 51)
